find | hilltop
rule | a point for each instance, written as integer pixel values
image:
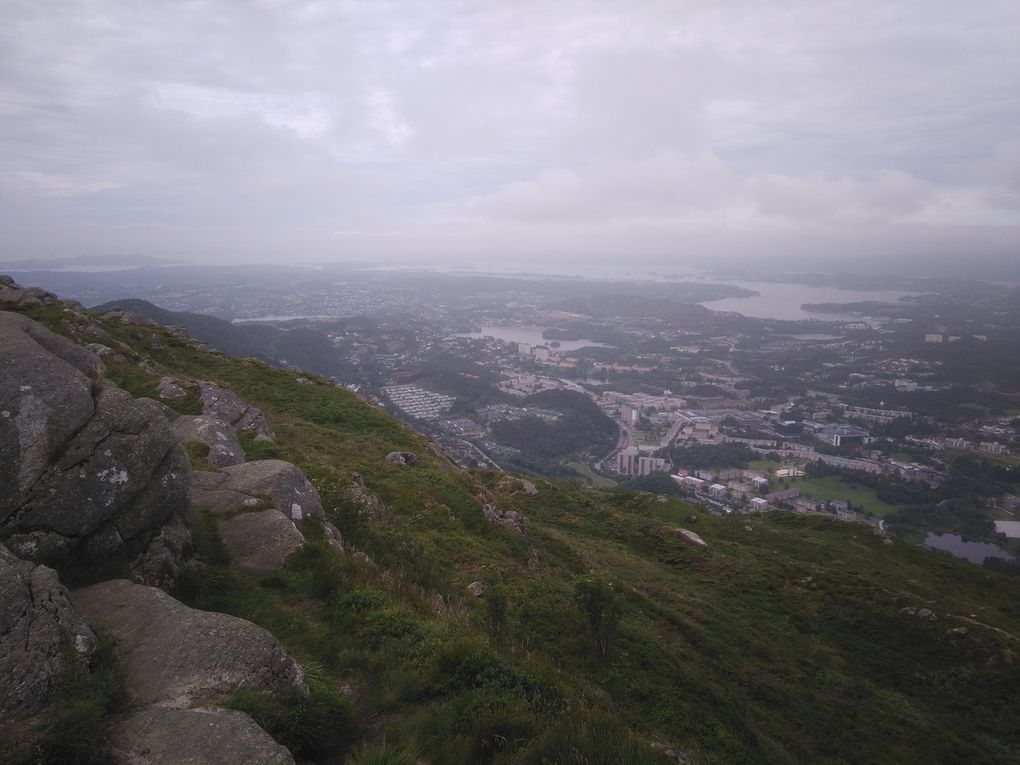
(473, 616)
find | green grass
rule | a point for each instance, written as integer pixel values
(590, 477)
(765, 466)
(835, 487)
(1001, 459)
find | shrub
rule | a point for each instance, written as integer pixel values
(83, 699)
(385, 753)
(319, 727)
(198, 455)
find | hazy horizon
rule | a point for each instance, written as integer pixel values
(553, 137)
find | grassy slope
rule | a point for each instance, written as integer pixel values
(835, 487)
(782, 641)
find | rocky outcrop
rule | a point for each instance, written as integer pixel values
(169, 389)
(161, 562)
(226, 405)
(12, 292)
(514, 484)
(158, 736)
(690, 536)
(921, 613)
(371, 506)
(401, 458)
(178, 657)
(95, 473)
(128, 317)
(106, 352)
(208, 493)
(39, 630)
(240, 487)
(260, 542)
(259, 504)
(508, 519)
(224, 448)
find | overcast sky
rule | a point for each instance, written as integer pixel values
(645, 130)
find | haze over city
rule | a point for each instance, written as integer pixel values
(547, 133)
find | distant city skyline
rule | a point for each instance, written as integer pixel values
(556, 136)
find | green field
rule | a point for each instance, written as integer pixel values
(765, 466)
(590, 477)
(833, 487)
(1001, 459)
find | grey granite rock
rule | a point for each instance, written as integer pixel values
(228, 406)
(260, 542)
(401, 458)
(224, 448)
(96, 472)
(281, 482)
(178, 657)
(159, 736)
(39, 630)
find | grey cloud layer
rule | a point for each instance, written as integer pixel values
(310, 130)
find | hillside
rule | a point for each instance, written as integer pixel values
(592, 631)
(293, 347)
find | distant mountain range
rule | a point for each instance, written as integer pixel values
(89, 261)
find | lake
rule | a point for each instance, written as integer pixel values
(531, 336)
(781, 300)
(975, 552)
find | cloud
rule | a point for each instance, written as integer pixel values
(260, 130)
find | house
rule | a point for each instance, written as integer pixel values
(846, 515)
(806, 505)
(782, 496)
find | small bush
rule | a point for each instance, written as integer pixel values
(385, 754)
(319, 727)
(189, 403)
(83, 699)
(322, 571)
(198, 455)
(260, 450)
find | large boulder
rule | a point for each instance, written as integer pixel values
(401, 458)
(224, 448)
(39, 631)
(239, 487)
(178, 657)
(208, 493)
(260, 542)
(46, 386)
(228, 406)
(159, 736)
(96, 473)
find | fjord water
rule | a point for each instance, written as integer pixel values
(783, 300)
